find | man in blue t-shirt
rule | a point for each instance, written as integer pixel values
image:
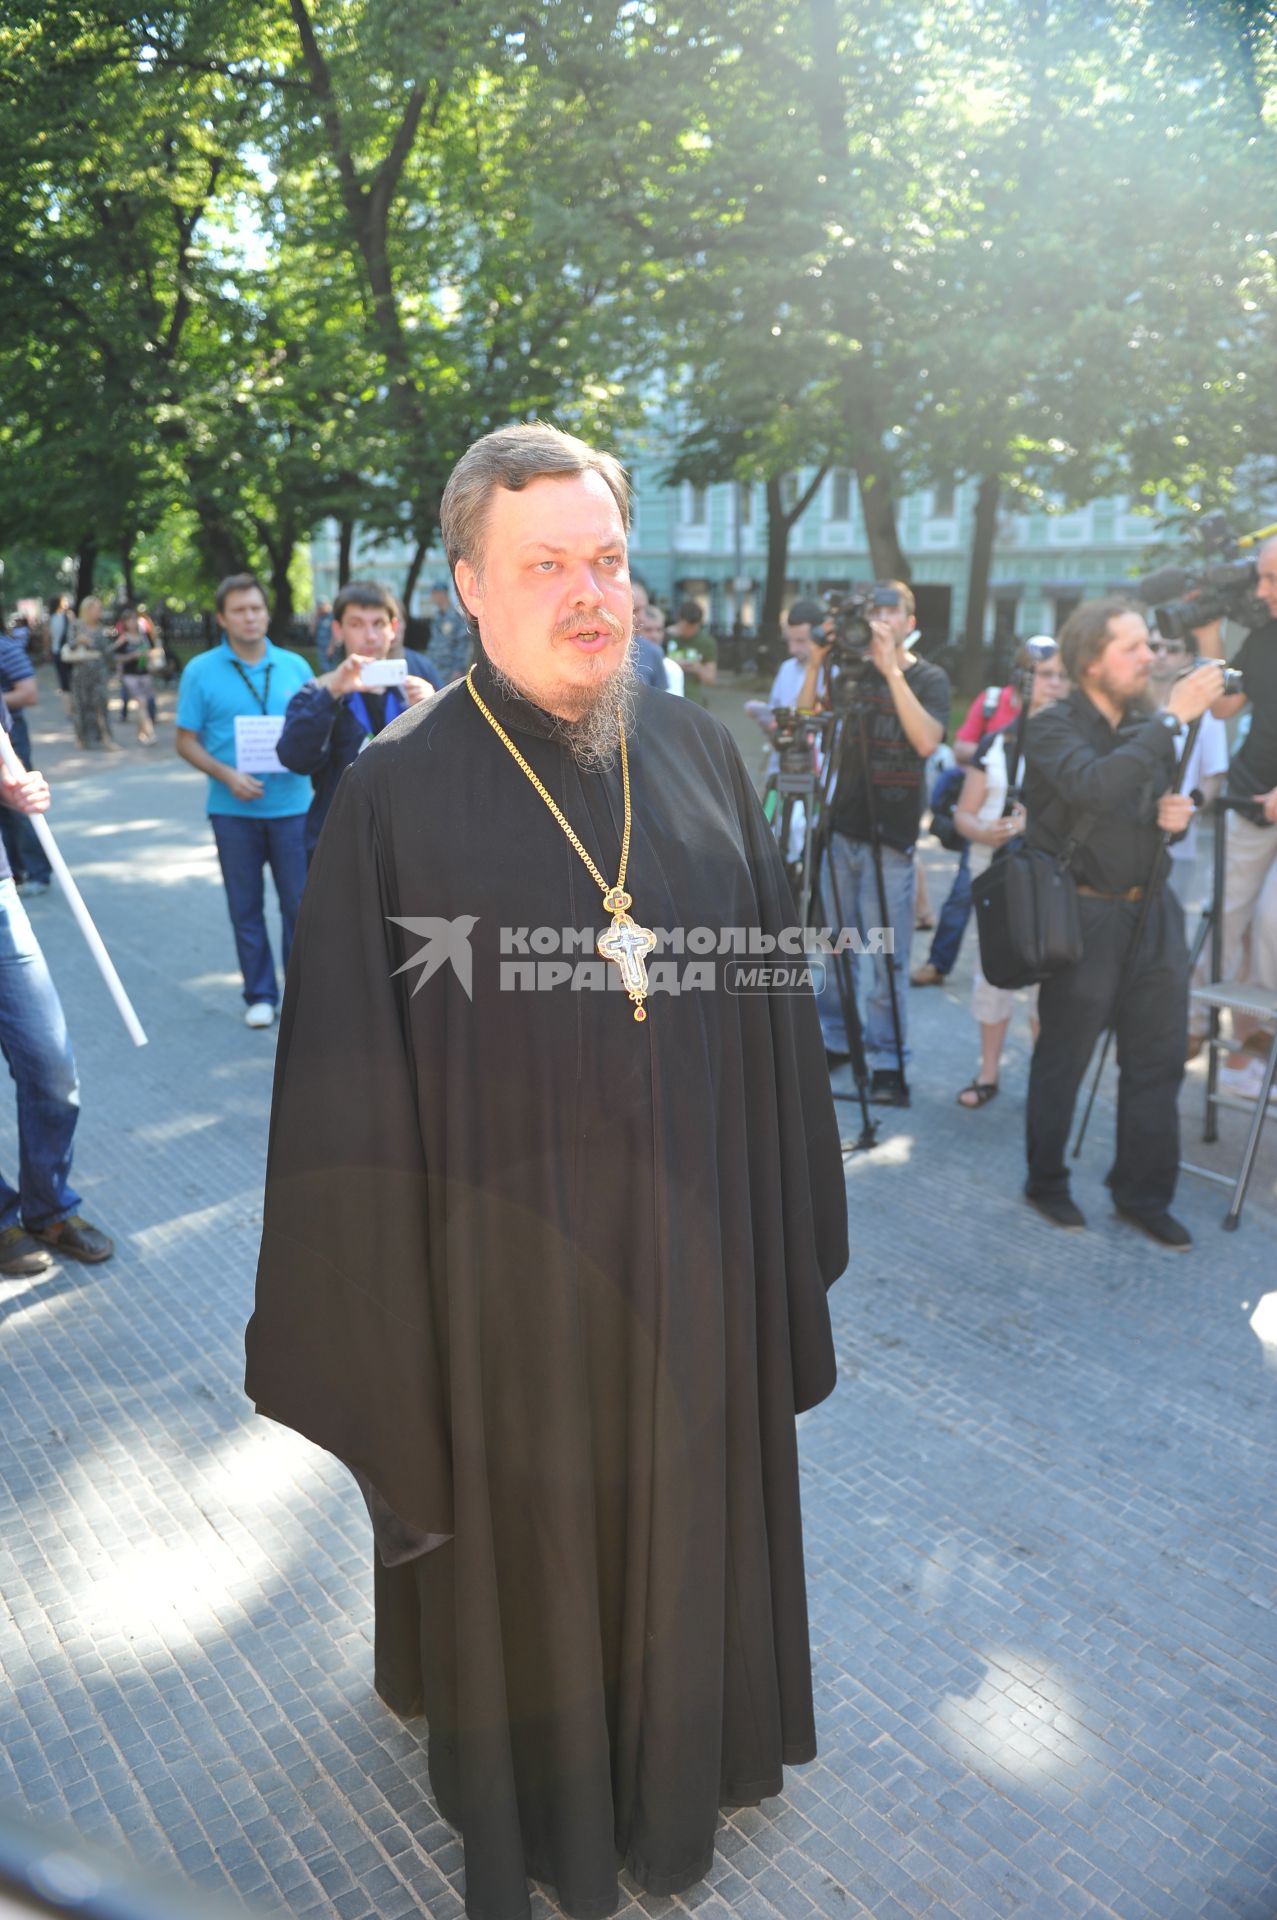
(230, 710)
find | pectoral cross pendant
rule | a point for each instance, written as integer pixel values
(626, 945)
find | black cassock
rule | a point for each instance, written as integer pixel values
(553, 1284)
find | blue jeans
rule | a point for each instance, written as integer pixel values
(858, 907)
(246, 848)
(33, 1036)
(954, 915)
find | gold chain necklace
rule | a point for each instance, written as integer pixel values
(624, 943)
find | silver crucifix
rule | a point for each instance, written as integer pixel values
(625, 944)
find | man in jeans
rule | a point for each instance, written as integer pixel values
(901, 708)
(40, 1217)
(258, 818)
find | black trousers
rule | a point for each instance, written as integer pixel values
(1145, 996)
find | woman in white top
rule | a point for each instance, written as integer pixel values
(979, 816)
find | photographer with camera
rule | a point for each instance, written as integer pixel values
(1250, 865)
(328, 723)
(1100, 774)
(902, 712)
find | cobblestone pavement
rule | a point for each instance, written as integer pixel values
(1039, 1507)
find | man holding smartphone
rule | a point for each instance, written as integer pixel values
(328, 723)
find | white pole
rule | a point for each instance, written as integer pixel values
(106, 966)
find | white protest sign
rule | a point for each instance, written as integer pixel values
(256, 738)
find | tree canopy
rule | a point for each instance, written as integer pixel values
(275, 260)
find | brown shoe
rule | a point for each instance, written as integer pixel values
(20, 1255)
(1196, 1041)
(927, 976)
(75, 1239)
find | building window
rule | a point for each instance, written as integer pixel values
(840, 494)
(944, 500)
(1005, 608)
(745, 503)
(696, 504)
(789, 492)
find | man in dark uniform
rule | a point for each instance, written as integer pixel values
(1100, 772)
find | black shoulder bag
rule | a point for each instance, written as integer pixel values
(1026, 913)
(1026, 902)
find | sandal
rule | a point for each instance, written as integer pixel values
(984, 1091)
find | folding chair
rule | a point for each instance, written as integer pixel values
(1260, 1003)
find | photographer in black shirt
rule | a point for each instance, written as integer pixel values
(1099, 772)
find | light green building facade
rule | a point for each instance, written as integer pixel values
(710, 544)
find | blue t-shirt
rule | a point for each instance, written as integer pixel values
(216, 687)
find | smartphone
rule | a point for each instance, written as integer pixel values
(375, 674)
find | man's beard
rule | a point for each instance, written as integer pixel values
(1139, 703)
(606, 710)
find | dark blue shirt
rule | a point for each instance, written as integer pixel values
(323, 736)
(15, 663)
(6, 871)
(649, 663)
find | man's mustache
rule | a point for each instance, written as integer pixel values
(569, 628)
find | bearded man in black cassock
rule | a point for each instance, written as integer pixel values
(547, 1269)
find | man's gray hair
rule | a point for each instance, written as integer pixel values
(513, 457)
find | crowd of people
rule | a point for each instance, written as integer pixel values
(1103, 750)
(274, 739)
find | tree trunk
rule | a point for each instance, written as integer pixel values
(413, 574)
(345, 542)
(368, 198)
(220, 546)
(126, 567)
(86, 561)
(978, 570)
(778, 526)
(281, 589)
(878, 506)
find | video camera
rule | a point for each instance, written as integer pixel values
(795, 737)
(1223, 588)
(851, 617)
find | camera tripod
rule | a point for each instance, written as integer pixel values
(796, 786)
